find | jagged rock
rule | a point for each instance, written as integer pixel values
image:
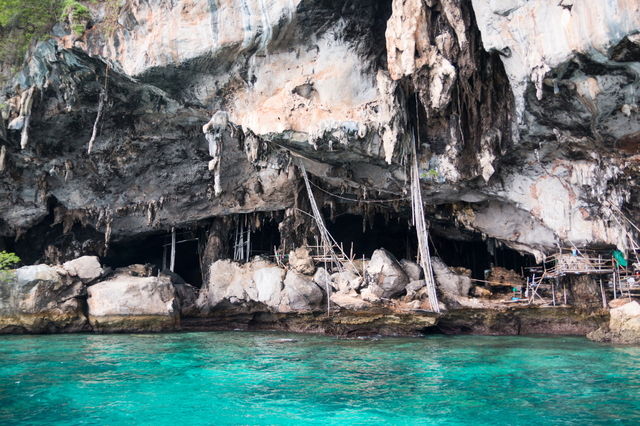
(623, 327)
(300, 260)
(616, 303)
(269, 285)
(413, 270)
(448, 281)
(300, 293)
(187, 296)
(585, 291)
(413, 287)
(228, 281)
(37, 300)
(371, 294)
(322, 277)
(346, 281)
(351, 301)
(127, 303)
(86, 268)
(481, 292)
(175, 278)
(136, 270)
(385, 272)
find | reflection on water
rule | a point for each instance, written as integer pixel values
(232, 378)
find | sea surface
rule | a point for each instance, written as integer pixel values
(269, 378)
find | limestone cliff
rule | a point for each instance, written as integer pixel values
(524, 115)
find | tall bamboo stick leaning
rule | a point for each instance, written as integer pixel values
(421, 228)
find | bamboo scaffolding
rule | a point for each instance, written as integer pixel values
(421, 229)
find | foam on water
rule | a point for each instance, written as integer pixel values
(241, 378)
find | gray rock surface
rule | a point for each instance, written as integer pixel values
(37, 300)
(449, 282)
(351, 302)
(300, 260)
(126, 303)
(623, 327)
(300, 293)
(413, 270)
(86, 268)
(384, 271)
(187, 296)
(269, 285)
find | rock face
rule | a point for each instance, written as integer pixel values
(127, 303)
(300, 293)
(85, 268)
(623, 327)
(385, 272)
(301, 261)
(38, 300)
(523, 115)
(449, 282)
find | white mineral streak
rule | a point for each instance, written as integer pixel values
(539, 35)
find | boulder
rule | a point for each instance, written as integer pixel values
(413, 270)
(371, 293)
(127, 303)
(86, 268)
(623, 327)
(300, 260)
(229, 283)
(269, 285)
(413, 287)
(322, 277)
(187, 296)
(385, 272)
(449, 282)
(175, 278)
(616, 303)
(481, 293)
(346, 281)
(35, 299)
(351, 302)
(300, 293)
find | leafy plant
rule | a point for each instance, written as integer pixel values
(7, 261)
(76, 13)
(431, 173)
(21, 22)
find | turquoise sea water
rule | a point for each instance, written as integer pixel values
(245, 378)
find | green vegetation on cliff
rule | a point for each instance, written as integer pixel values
(22, 21)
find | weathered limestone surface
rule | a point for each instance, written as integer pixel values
(623, 327)
(449, 282)
(385, 272)
(126, 303)
(38, 300)
(85, 268)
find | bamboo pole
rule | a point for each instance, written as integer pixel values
(604, 297)
(173, 249)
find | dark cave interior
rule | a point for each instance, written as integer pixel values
(393, 233)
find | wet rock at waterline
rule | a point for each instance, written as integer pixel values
(623, 326)
(36, 299)
(125, 303)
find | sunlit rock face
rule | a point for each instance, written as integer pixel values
(523, 115)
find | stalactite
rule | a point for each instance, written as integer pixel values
(214, 133)
(103, 96)
(3, 158)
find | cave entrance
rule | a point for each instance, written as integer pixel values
(393, 234)
(478, 255)
(263, 238)
(155, 249)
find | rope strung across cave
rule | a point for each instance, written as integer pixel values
(421, 228)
